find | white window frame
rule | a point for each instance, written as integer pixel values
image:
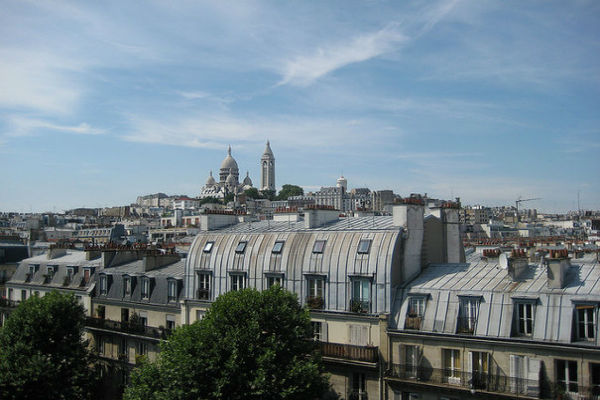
(468, 312)
(172, 290)
(237, 281)
(241, 247)
(274, 279)
(453, 373)
(569, 382)
(319, 246)
(127, 286)
(316, 286)
(317, 328)
(145, 289)
(525, 317)
(359, 386)
(586, 321)
(103, 284)
(204, 282)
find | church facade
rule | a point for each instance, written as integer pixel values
(229, 175)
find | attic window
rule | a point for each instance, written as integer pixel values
(241, 247)
(364, 246)
(208, 247)
(103, 284)
(172, 294)
(277, 247)
(319, 246)
(127, 285)
(145, 288)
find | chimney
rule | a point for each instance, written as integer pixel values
(558, 264)
(54, 252)
(517, 263)
(315, 217)
(157, 260)
(409, 216)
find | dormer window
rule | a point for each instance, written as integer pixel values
(277, 247)
(172, 295)
(87, 273)
(71, 271)
(127, 286)
(415, 312)
(585, 321)
(103, 284)
(364, 246)
(145, 288)
(467, 315)
(319, 246)
(208, 247)
(524, 317)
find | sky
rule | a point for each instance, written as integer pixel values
(489, 101)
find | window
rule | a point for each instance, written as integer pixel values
(142, 348)
(524, 375)
(585, 321)
(87, 272)
(101, 346)
(361, 296)
(203, 292)
(145, 288)
(241, 247)
(318, 246)
(23, 295)
(315, 298)
(124, 314)
(467, 315)
(566, 375)
(317, 329)
(359, 386)
(71, 271)
(50, 271)
(274, 280)
(595, 379)
(411, 361)
(277, 247)
(172, 296)
(123, 350)
(479, 369)
(127, 286)
(524, 318)
(358, 334)
(451, 360)
(208, 247)
(364, 246)
(170, 322)
(103, 284)
(101, 312)
(415, 312)
(143, 318)
(238, 281)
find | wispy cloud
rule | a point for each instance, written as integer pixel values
(305, 69)
(19, 126)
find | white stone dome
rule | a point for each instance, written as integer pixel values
(230, 178)
(247, 180)
(229, 162)
(210, 181)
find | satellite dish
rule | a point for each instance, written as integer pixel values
(503, 261)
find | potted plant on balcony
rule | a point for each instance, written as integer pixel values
(315, 302)
(358, 306)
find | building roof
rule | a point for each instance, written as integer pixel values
(443, 285)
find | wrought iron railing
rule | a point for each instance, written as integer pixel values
(315, 302)
(8, 303)
(412, 322)
(466, 326)
(358, 395)
(360, 306)
(127, 327)
(203, 294)
(349, 352)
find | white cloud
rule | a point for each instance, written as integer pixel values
(305, 69)
(20, 126)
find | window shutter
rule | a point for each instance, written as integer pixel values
(324, 337)
(533, 375)
(470, 363)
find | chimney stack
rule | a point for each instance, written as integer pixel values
(558, 264)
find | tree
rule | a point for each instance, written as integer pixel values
(210, 199)
(250, 345)
(289, 190)
(252, 193)
(268, 194)
(42, 354)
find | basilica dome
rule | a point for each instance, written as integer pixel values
(229, 162)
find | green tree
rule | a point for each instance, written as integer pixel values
(250, 345)
(42, 354)
(252, 193)
(228, 197)
(268, 194)
(209, 199)
(289, 190)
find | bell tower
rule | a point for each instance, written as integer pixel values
(267, 168)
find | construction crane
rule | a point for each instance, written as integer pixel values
(519, 201)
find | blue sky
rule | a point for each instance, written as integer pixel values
(103, 101)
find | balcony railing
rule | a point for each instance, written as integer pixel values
(472, 381)
(315, 302)
(350, 352)
(412, 323)
(5, 303)
(466, 326)
(203, 294)
(360, 306)
(127, 327)
(358, 395)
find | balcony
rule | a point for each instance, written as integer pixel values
(5, 303)
(360, 306)
(315, 302)
(412, 322)
(478, 381)
(350, 352)
(127, 327)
